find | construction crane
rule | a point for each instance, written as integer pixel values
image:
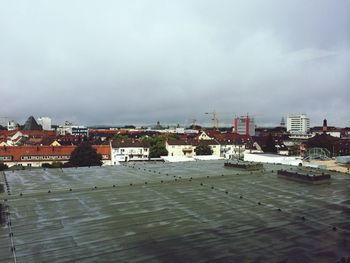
(5, 117)
(194, 121)
(214, 119)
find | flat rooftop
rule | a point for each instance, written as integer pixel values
(173, 212)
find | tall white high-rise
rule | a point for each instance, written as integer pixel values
(298, 124)
(45, 122)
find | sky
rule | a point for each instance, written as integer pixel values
(138, 62)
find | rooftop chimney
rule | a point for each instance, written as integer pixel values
(324, 128)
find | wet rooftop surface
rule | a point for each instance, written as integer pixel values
(173, 212)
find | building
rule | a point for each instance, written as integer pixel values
(36, 156)
(76, 130)
(325, 129)
(12, 125)
(124, 151)
(179, 148)
(187, 148)
(298, 124)
(273, 158)
(31, 125)
(45, 122)
(244, 125)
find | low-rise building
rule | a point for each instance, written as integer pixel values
(36, 156)
(186, 148)
(179, 148)
(129, 150)
(76, 130)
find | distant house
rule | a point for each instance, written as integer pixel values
(129, 150)
(36, 156)
(186, 148)
(230, 150)
(179, 148)
(204, 136)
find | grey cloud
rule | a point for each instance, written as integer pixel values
(119, 62)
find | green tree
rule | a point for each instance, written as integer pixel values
(203, 150)
(158, 150)
(85, 155)
(120, 137)
(3, 166)
(270, 146)
(157, 144)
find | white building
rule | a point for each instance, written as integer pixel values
(273, 158)
(299, 124)
(76, 130)
(12, 125)
(124, 151)
(181, 148)
(231, 151)
(45, 122)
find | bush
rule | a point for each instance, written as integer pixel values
(46, 165)
(56, 165)
(53, 165)
(3, 167)
(203, 150)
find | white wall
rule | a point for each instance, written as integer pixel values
(271, 158)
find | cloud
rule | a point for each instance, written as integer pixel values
(138, 62)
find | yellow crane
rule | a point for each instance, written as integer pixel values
(215, 118)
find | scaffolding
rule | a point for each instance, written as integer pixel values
(317, 154)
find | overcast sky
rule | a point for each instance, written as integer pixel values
(136, 62)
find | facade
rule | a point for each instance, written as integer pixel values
(298, 124)
(45, 122)
(184, 148)
(231, 151)
(124, 151)
(273, 158)
(244, 125)
(179, 148)
(12, 125)
(76, 130)
(36, 156)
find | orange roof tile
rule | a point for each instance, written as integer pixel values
(17, 151)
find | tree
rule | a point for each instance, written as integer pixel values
(203, 150)
(158, 150)
(3, 166)
(85, 155)
(270, 146)
(53, 165)
(120, 137)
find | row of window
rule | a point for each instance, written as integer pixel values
(46, 157)
(173, 146)
(131, 150)
(5, 158)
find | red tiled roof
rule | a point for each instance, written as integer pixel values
(179, 142)
(129, 143)
(103, 149)
(193, 142)
(17, 151)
